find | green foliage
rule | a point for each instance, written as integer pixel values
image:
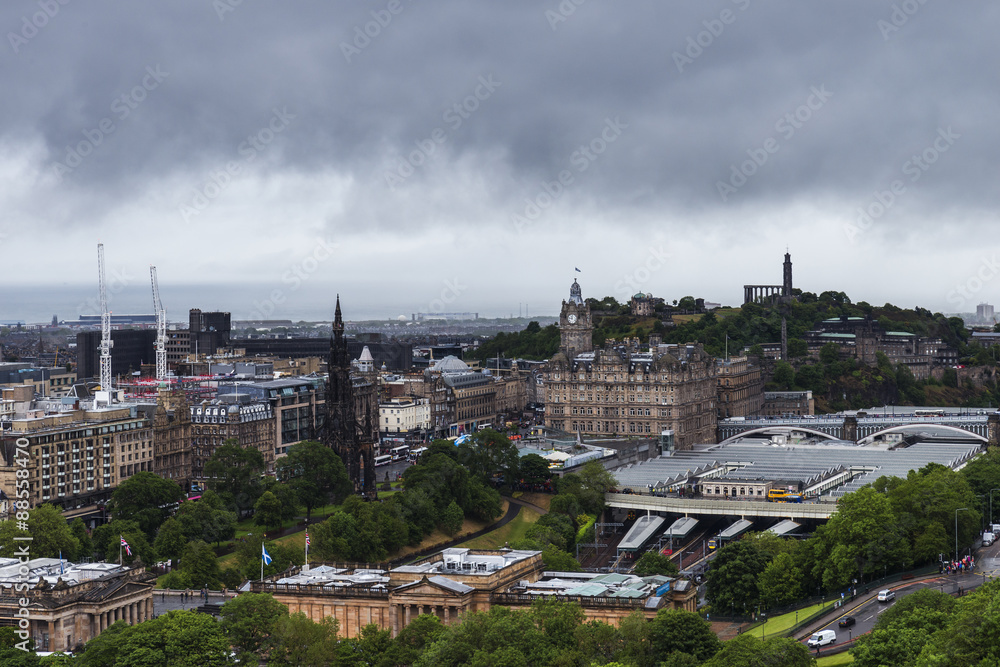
(901, 631)
(199, 565)
(534, 342)
(301, 641)
(732, 578)
(747, 650)
(674, 630)
(248, 558)
(51, 534)
(170, 540)
(315, 473)
(107, 542)
(784, 376)
(85, 546)
(207, 519)
(250, 622)
(653, 562)
(557, 560)
(177, 638)
(234, 474)
(267, 511)
(781, 582)
(145, 498)
(534, 469)
(452, 518)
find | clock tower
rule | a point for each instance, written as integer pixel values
(576, 330)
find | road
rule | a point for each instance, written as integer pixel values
(867, 612)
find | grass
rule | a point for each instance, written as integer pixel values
(540, 499)
(779, 624)
(512, 532)
(844, 658)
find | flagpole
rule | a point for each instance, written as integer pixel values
(262, 561)
(119, 549)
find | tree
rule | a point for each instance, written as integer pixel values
(207, 519)
(85, 546)
(147, 499)
(51, 535)
(250, 622)
(797, 348)
(177, 638)
(235, 475)
(316, 473)
(199, 564)
(499, 636)
(784, 375)
(411, 641)
(489, 453)
(107, 541)
(781, 581)
(732, 578)
(557, 560)
(675, 630)
(452, 518)
(267, 511)
(748, 650)
(863, 535)
(301, 641)
(829, 353)
(170, 540)
(534, 469)
(653, 563)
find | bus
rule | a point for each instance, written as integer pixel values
(928, 413)
(416, 453)
(383, 460)
(399, 453)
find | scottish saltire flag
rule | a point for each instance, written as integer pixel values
(128, 549)
(266, 557)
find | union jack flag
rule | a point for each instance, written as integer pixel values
(128, 549)
(308, 543)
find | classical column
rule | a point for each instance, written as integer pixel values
(447, 614)
(406, 615)
(52, 636)
(149, 608)
(394, 615)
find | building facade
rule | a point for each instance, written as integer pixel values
(785, 403)
(741, 388)
(405, 415)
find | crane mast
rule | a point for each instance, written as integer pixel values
(106, 394)
(161, 328)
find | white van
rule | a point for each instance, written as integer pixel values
(822, 638)
(988, 539)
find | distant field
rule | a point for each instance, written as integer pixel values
(512, 532)
(844, 658)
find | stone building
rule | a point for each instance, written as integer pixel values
(621, 390)
(786, 403)
(250, 423)
(68, 604)
(457, 581)
(741, 387)
(172, 452)
(351, 427)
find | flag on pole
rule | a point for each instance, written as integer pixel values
(307, 540)
(128, 549)
(265, 557)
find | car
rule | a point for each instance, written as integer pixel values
(847, 621)
(886, 596)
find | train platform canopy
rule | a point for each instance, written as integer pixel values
(786, 527)
(735, 529)
(644, 529)
(681, 527)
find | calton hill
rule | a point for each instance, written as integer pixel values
(838, 382)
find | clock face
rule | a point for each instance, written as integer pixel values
(571, 318)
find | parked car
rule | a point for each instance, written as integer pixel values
(847, 621)
(886, 596)
(822, 638)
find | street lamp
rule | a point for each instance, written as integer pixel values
(956, 529)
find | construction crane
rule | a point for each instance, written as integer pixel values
(161, 328)
(107, 394)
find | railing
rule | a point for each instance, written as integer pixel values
(313, 589)
(585, 601)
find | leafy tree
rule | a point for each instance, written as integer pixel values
(51, 534)
(368, 648)
(499, 636)
(485, 503)
(556, 559)
(248, 557)
(674, 630)
(267, 511)
(732, 578)
(901, 631)
(534, 469)
(829, 353)
(107, 541)
(797, 348)
(489, 453)
(554, 529)
(316, 474)
(85, 546)
(301, 641)
(234, 474)
(250, 622)
(452, 518)
(412, 640)
(207, 519)
(199, 564)
(781, 581)
(784, 375)
(147, 499)
(864, 535)
(170, 540)
(177, 638)
(748, 650)
(652, 563)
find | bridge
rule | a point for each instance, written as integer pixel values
(742, 509)
(982, 425)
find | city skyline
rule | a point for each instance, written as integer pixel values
(406, 154)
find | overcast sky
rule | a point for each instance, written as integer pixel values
(419, 155)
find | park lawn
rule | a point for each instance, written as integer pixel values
(543, 500)
(779, 624)
(844, 658)
(512, 532)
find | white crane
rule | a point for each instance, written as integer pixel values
(106, 395)
(161, 328)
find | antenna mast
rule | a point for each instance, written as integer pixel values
(161, 328)
(107, 393)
